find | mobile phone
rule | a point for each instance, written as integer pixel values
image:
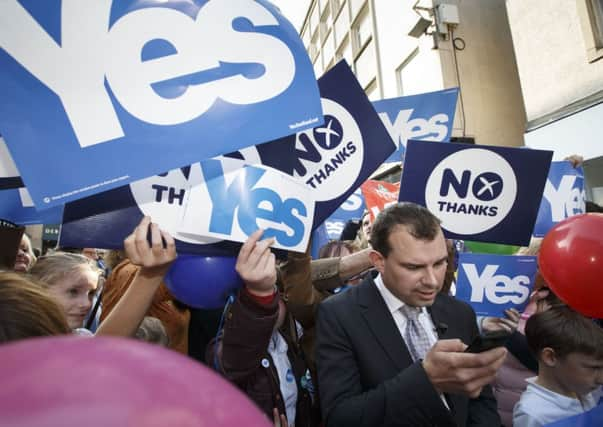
(488, 341)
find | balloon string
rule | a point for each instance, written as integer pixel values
(229, 302)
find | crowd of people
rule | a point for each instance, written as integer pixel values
(368, 334)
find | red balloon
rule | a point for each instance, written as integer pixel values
(102, 382)
(571, 262)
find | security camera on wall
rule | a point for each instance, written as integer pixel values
(420, 27)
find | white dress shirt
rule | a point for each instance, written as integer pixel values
(394, 304)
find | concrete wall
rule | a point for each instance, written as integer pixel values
(488, 74)
(552, 59)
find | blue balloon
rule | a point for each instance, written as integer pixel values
(203, 282)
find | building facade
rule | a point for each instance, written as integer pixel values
(559, 49)
(474, 51)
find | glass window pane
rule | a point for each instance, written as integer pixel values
(318, 70)
(342, 24)
(596, 9)
(365, 65)
(328, 49)
(345, 52)
(314, 19)
(372, 92)
(362, 30)
(306, 37)
(356, 5)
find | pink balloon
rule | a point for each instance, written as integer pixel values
(114, 382)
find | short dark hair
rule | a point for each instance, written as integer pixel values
(565, 331)
(333, 248)
(419, 222)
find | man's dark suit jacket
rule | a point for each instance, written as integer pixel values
(366, 376)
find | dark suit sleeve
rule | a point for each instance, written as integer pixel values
(406, 399)
(483, 410)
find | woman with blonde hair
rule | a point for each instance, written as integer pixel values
(70, 280)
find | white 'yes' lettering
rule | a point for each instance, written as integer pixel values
(90, 52)
(565, 200)
(497, 288)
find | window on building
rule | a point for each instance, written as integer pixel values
(590, 13)
(356, 5)
(596, 12)
(342, 24)
(313, 51)
(306, 37)
(314, 19)
(335, 6)
(372, 91)
(362, 31)
(403, 69)
(345, 52)
(365, 65)
(324, 4)
(318, 68)
(328, 49)
(326, 22)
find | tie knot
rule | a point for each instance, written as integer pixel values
(411, 313)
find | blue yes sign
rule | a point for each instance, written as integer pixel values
(201, 205)
(564, 196)
(425, 117)
(234, 200)
(146, 86)
(493, 283)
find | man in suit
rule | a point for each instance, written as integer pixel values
(390, 351)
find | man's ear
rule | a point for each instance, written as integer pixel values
(548, 357)
(377, 260)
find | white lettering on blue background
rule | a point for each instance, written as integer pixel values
(91, 52)
(565, 200)
(404, 128)
(496, 288)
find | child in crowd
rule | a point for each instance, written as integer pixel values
(569, 348)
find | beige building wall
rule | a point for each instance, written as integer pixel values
(552, 46)
(491, 92)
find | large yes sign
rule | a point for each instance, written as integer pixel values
(493, 283)
(121, 79)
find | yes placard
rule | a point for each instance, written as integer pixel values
(427, 116)
(234, 200)
(493, 283)
(564, 196)
(110, 92)
(227, 190)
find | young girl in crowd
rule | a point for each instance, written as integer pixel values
(68, 281)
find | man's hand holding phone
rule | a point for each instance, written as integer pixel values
(452, 370)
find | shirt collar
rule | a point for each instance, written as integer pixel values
(393, 302)
(560, 400)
